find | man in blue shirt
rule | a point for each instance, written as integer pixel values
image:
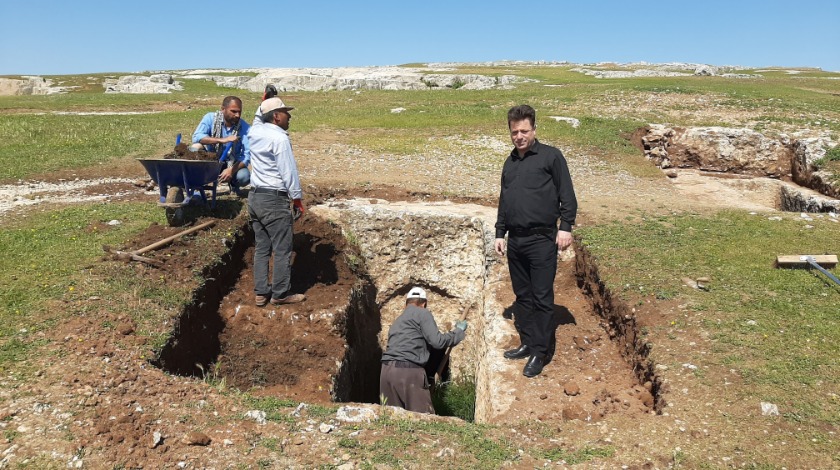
(218, 129)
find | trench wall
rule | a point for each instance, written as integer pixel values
(195, 336)
(620, 323)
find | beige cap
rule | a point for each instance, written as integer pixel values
(273, 103)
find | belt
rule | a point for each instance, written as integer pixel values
(276, 192)
(524, 232)
(405, 364)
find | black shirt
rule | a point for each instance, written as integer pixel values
(536, 191)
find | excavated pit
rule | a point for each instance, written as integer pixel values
(355, 260)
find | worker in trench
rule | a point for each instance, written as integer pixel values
(403, 381)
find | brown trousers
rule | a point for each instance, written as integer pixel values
(405, 387)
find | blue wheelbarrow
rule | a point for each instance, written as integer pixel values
(193, 176)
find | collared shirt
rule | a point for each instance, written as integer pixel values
(273, 164)
(536, 191)
(205, 128)
(410, 334)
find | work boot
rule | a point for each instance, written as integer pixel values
(534, 366)
(261, 300)
(288, 299)
(521, 352)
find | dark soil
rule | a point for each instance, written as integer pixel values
(182, 152)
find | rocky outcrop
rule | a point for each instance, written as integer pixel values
(719, 149)
(805, 173)
(153, 84)
(802, 200)
(361, 78)
(27, 86)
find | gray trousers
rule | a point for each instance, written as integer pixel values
(271, 219)
(405, 387)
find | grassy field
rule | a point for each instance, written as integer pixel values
(779, 329)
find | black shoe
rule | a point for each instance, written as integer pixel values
(534, 366)
(519, 353)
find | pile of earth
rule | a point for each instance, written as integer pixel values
(182, 152)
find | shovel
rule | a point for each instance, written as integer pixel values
(445, 360)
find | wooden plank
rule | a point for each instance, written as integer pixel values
(826, 261)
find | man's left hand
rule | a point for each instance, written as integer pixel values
(564, 240)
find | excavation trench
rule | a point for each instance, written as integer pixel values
(355, 260)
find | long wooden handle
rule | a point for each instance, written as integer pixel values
(445, 359)
(166, 240)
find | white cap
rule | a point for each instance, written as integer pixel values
(416, 293)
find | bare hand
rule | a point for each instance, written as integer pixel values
(564, 240)
(226, 175)
(500, 246)
(230, 138)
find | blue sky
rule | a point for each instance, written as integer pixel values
(71, 37)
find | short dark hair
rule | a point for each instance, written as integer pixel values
(269, 116)
(416, 301)
(226, 102)
(523, 111)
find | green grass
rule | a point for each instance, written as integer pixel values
(456, 398)
(778, 327)
(47, 257)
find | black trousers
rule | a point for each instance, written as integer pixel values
(532, 261)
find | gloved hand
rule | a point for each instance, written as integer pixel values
(299, 209)
(462, 325)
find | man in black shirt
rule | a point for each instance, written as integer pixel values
(536, 191)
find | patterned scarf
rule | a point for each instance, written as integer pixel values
(218, 125)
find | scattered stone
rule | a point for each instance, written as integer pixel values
(581, 343)
(397, 110)
(196, 438)
(646, 398)
(114, 222)
(155, 83)
(574, 412)
(256, 415)
(543, 396)
(775, 217)
(157, 438)
(671, 173)
(302, 406)
(769, 409)
(326, 428)
(690, 282)
(572, 389)
(125, 328)
(227, 442)
(575, 123)
(298, 440)
(355, 414)
(446, 452)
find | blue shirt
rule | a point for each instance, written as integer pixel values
(273, 164)
(241, 151)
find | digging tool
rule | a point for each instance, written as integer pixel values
(135, 255)
(818, 262)
(445, 359)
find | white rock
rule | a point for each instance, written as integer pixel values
(114, 222)
(355, 414)
(769, 409)
(326, 428)
(256, 415)
(397, 110)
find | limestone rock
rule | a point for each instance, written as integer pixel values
(572, 389)
(152, 84)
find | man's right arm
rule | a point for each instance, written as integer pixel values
(205, 127)
(434, 337)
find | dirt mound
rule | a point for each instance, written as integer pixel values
(182, 152)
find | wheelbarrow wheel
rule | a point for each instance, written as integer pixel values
(175, 215)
